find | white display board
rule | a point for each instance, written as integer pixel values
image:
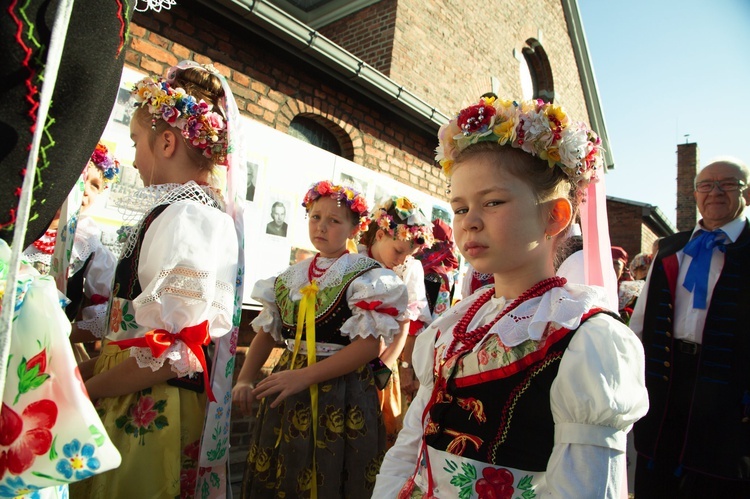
(281, 169)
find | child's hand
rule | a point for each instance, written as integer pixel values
(242, 395)
(285, 383)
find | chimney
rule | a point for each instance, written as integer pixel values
(688, 158)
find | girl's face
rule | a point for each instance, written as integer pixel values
(93, 186)
(330, 225)
(498, 223)
(391, 252)
(145, 159)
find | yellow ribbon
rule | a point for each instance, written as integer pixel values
(306, 321)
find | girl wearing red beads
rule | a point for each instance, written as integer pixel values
(528, 388)
(319, 431)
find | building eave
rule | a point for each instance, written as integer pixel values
(302, 41)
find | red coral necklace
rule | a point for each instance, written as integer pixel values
(314, 272)
(46, 243)
(468, 339)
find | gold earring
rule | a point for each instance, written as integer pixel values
(547, 236)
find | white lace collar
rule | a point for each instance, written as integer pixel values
(563, 307)
(296, 276)
(148, 198)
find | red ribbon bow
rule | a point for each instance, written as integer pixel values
(375, 305)
(159, 340)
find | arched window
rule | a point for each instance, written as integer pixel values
(312, 132)
(536, 71)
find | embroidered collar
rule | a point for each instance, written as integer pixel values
(562, 306)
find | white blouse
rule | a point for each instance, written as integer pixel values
(187, 269)
(412, 273)
(377, 284)
(597, 396)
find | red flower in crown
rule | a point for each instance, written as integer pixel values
(359, 205)
(476, 118)
(324, 188)
(495, 484)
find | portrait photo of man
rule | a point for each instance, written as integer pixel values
(277, 226)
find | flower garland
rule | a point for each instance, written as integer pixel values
(105, 162)
(353, 199)
(204, 128)
(537, 127)
(414, 226)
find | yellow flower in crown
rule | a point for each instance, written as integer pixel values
(404, 207)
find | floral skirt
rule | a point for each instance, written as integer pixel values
(157, 432)
(350, 444)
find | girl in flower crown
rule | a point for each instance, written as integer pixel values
(173, 294)
(319, 431)
(397, 232)
(530, 387)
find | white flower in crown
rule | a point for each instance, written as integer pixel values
(537, 133)
(573, 146)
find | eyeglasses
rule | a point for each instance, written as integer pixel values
(707, 186)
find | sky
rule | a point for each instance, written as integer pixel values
(666, 69)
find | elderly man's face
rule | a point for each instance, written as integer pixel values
(278, 213)
(717, 207)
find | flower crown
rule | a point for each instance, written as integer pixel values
(353, 199)
(537, 127)
(105, 162)
(414, 226)
(204, 128)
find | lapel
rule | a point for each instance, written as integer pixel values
(668, 254)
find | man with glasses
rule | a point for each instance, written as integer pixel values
(693, 316)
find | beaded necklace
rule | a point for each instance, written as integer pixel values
(314, 272)
(469, 339)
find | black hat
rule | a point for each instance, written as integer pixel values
(84, 94)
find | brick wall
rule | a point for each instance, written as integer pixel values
(368, 34)
(688, 159)
(626, 227)
(446, 52)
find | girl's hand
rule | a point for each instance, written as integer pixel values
(285, 383)
(242, 396)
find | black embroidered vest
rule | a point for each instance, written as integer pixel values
(331, 309)
(717, 440)
(505, 421)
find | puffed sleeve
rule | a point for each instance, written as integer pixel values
(269, 318)
(597, 396)
(417, 308)
(376, 298)
(401, 460)
(187, 269)
(97, 287)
